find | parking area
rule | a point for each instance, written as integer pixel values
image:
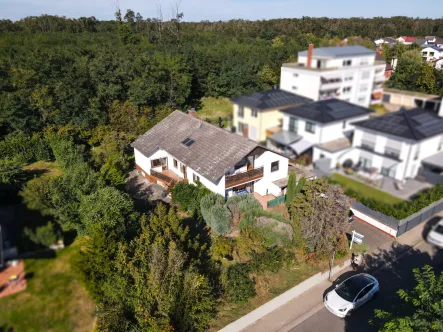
(373, 237)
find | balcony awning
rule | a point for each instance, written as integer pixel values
(301, 146)
(435, 160)
(388, 163)
(285, 137)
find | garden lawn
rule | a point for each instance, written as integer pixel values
(213, 108)
(53, 300)
(365, 190)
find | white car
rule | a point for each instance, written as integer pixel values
(435, 235)
(351, 294)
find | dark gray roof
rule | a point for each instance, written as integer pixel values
(419, 41)
(213, 153)
(269, 99)
(433, 47)
(329, 110)
(339, 51)
(415, 124)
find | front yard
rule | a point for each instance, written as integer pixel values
(364, 189)
(53, 301)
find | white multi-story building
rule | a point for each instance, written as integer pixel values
(322, 122)
(396, 145)
(184, 148)
(431, 53)
(350, 73)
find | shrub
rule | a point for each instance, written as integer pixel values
(222, 247)
(221, 219)
(25, 148)
(189, 196)
(206, 204)
(239, 288)
(240, 204)
(271, 260)
(43, 235)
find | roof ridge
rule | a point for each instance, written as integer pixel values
(409, 124)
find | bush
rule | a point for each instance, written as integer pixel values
(222, 247)
(206, 204)
(221, 219)
(25, 148)
(271, 260)
(44, 235)
(239, 288)
(189, 196)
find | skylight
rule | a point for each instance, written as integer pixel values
(188, 142)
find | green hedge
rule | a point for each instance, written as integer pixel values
(403, 209)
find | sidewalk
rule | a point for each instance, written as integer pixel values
(307, 304)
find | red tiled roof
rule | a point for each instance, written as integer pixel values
(409, 39)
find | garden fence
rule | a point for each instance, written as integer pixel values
(276, 201)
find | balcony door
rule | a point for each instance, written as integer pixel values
(184, 171)
(365, 163)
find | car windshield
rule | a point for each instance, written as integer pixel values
(351, 287)
(439, 229)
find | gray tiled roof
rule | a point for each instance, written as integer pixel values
(339, 51)
(269, 99)
(214, 152)
(416, 124)
(329, 110)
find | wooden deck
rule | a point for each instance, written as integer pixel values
(166, 177)
(264, 200)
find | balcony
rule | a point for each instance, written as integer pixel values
(166, 177)
(330, 83)
(243, 177)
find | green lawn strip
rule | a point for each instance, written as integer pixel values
(365, 190)
(53, 301)
(213, 108)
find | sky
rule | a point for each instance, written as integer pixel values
(215, 10)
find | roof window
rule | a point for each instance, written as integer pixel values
(188, 142)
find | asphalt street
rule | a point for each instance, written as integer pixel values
(395, 276)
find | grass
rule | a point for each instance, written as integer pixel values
(44, 167)
(53, 301)
(379, 109)
(365, 190)
(213, 108)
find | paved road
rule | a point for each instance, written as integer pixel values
(391, 278)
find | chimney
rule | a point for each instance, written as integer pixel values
(310, 50)
(192, 112)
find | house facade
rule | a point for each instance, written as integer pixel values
(350, 73)
(184, 148)
(396, 145)
(407, 40)
(316, 123)
(431, 53)
(255, 115)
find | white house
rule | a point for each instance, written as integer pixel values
(407, 40)
(386, 40)
(433, 41)
(431, 53)
(350, 73)
(327, 121)
(396, 145)
(255, 115)
(184, 148)
(439, 64)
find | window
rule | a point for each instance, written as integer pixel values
(293, 125)
(254, 112)
(346, 63)
(294, 87)
(195, 177)
(344, 124)
(175, 163)
(366, 145)
(392, 152)
(274, 166)
(431, 54)
(363, 88)
(390, 173)
(240, 127)
(322, 155)
(365, 74)
(310, 127)
(188, 142)
(295, 75)
(240, 111)
(365, 163)
(347, 89)
(158, 162)
(349, 78)
(425, 53)
(361, 99)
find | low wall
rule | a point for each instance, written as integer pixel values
(282, 299)
(391, 225)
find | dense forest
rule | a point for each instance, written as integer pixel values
(74, 93)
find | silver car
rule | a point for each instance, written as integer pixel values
(435, 235)
(351, 294)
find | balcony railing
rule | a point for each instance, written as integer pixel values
(163, 178)
(243, 177)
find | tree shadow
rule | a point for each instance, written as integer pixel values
(6, 328)
(395, 275)
(39, 254)
(29, 275)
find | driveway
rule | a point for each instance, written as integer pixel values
(373, 237)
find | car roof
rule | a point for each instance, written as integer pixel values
(360, 281)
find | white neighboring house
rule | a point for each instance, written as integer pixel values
(350, 73)
(182, 147)
(306, 126)
(397, 145)
(439, 64)
(431, 53)
(386, 40)
(407, 40)
(433, 41)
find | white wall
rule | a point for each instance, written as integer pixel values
(335, 157)
(302, 82)
(426, 53)
(265, 186)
